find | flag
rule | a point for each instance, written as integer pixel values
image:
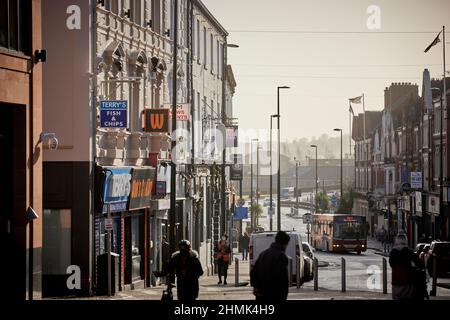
(355, 100)
(351, 110)
(435, 42)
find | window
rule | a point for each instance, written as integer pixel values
(15, 25)
(56, 247)
(204, 46)
(198, 41)
(136, 11)
(211, 45)
(218, 58)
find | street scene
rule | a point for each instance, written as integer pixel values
(258, 150)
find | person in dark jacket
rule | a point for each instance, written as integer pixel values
(269, 275)
(404, 276)
(188, 269)
(244, 241)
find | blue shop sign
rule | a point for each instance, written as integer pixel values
(113, 114)
(240, 213)
(116, 189)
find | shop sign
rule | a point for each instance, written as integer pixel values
(433, 204)
(232, 137)
(182, 111)
(157, 120)
(406, 203)
(117, 186)
(418, 199)
(113, 114)
(142, 181)
(236, 168)
(163, 177)
(416, 180)
(161, 188)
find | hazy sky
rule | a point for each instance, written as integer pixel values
(325, 69)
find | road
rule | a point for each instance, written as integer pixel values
(364, 272)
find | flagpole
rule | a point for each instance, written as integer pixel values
(443, 54)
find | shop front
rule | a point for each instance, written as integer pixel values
(113, 189)
(137, 229)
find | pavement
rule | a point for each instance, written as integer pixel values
(210, 290)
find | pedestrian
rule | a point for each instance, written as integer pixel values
(406, 284)
(269, 276)
(185, 265)
(383, 238)
(244, 241)
(223, 258)
(165, 257)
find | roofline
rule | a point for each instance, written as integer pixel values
(210, 16)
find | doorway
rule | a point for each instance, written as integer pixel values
(13, 204)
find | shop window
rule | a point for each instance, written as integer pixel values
(56, 248)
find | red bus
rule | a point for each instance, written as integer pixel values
(339, 232)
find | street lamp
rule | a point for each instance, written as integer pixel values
(271, 205)
(251, 178)
(224, 120)
(279, 160)
(297, 163)
(317, 187)
(342, 190)
(441, 191)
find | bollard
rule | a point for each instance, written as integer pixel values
(290, 271)
(236, 272)
(316, 274)
(298, 272)
(343, 284)
(434, 283)
(384, 276)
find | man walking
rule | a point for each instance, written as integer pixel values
(188, 269)
(244, 241)
(269, 275)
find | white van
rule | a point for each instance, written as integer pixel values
(260, 241)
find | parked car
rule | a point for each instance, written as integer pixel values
(308, 250)
(260, 241)
(440, 250)
(266, 202)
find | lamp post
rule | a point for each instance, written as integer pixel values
(224, 121)
(441, 191)
(270, 187)
(173, 169)
(342, 190)
(257, 172)
(279, 160)
(317, 186)
(297, 163)
(251, 179)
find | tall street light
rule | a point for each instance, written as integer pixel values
(251, 178)
(317, 186)
(257, 172)
(441, 180)
(297, 163)
(342, 190)
(223, 201)
(271, 183)
(279, 160)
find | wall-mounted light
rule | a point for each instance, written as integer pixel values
(101, 2)
(31, 214)
(50, 139)
(149, 24)
(40, 55)
(167, 33)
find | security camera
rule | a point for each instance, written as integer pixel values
(50, 138)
